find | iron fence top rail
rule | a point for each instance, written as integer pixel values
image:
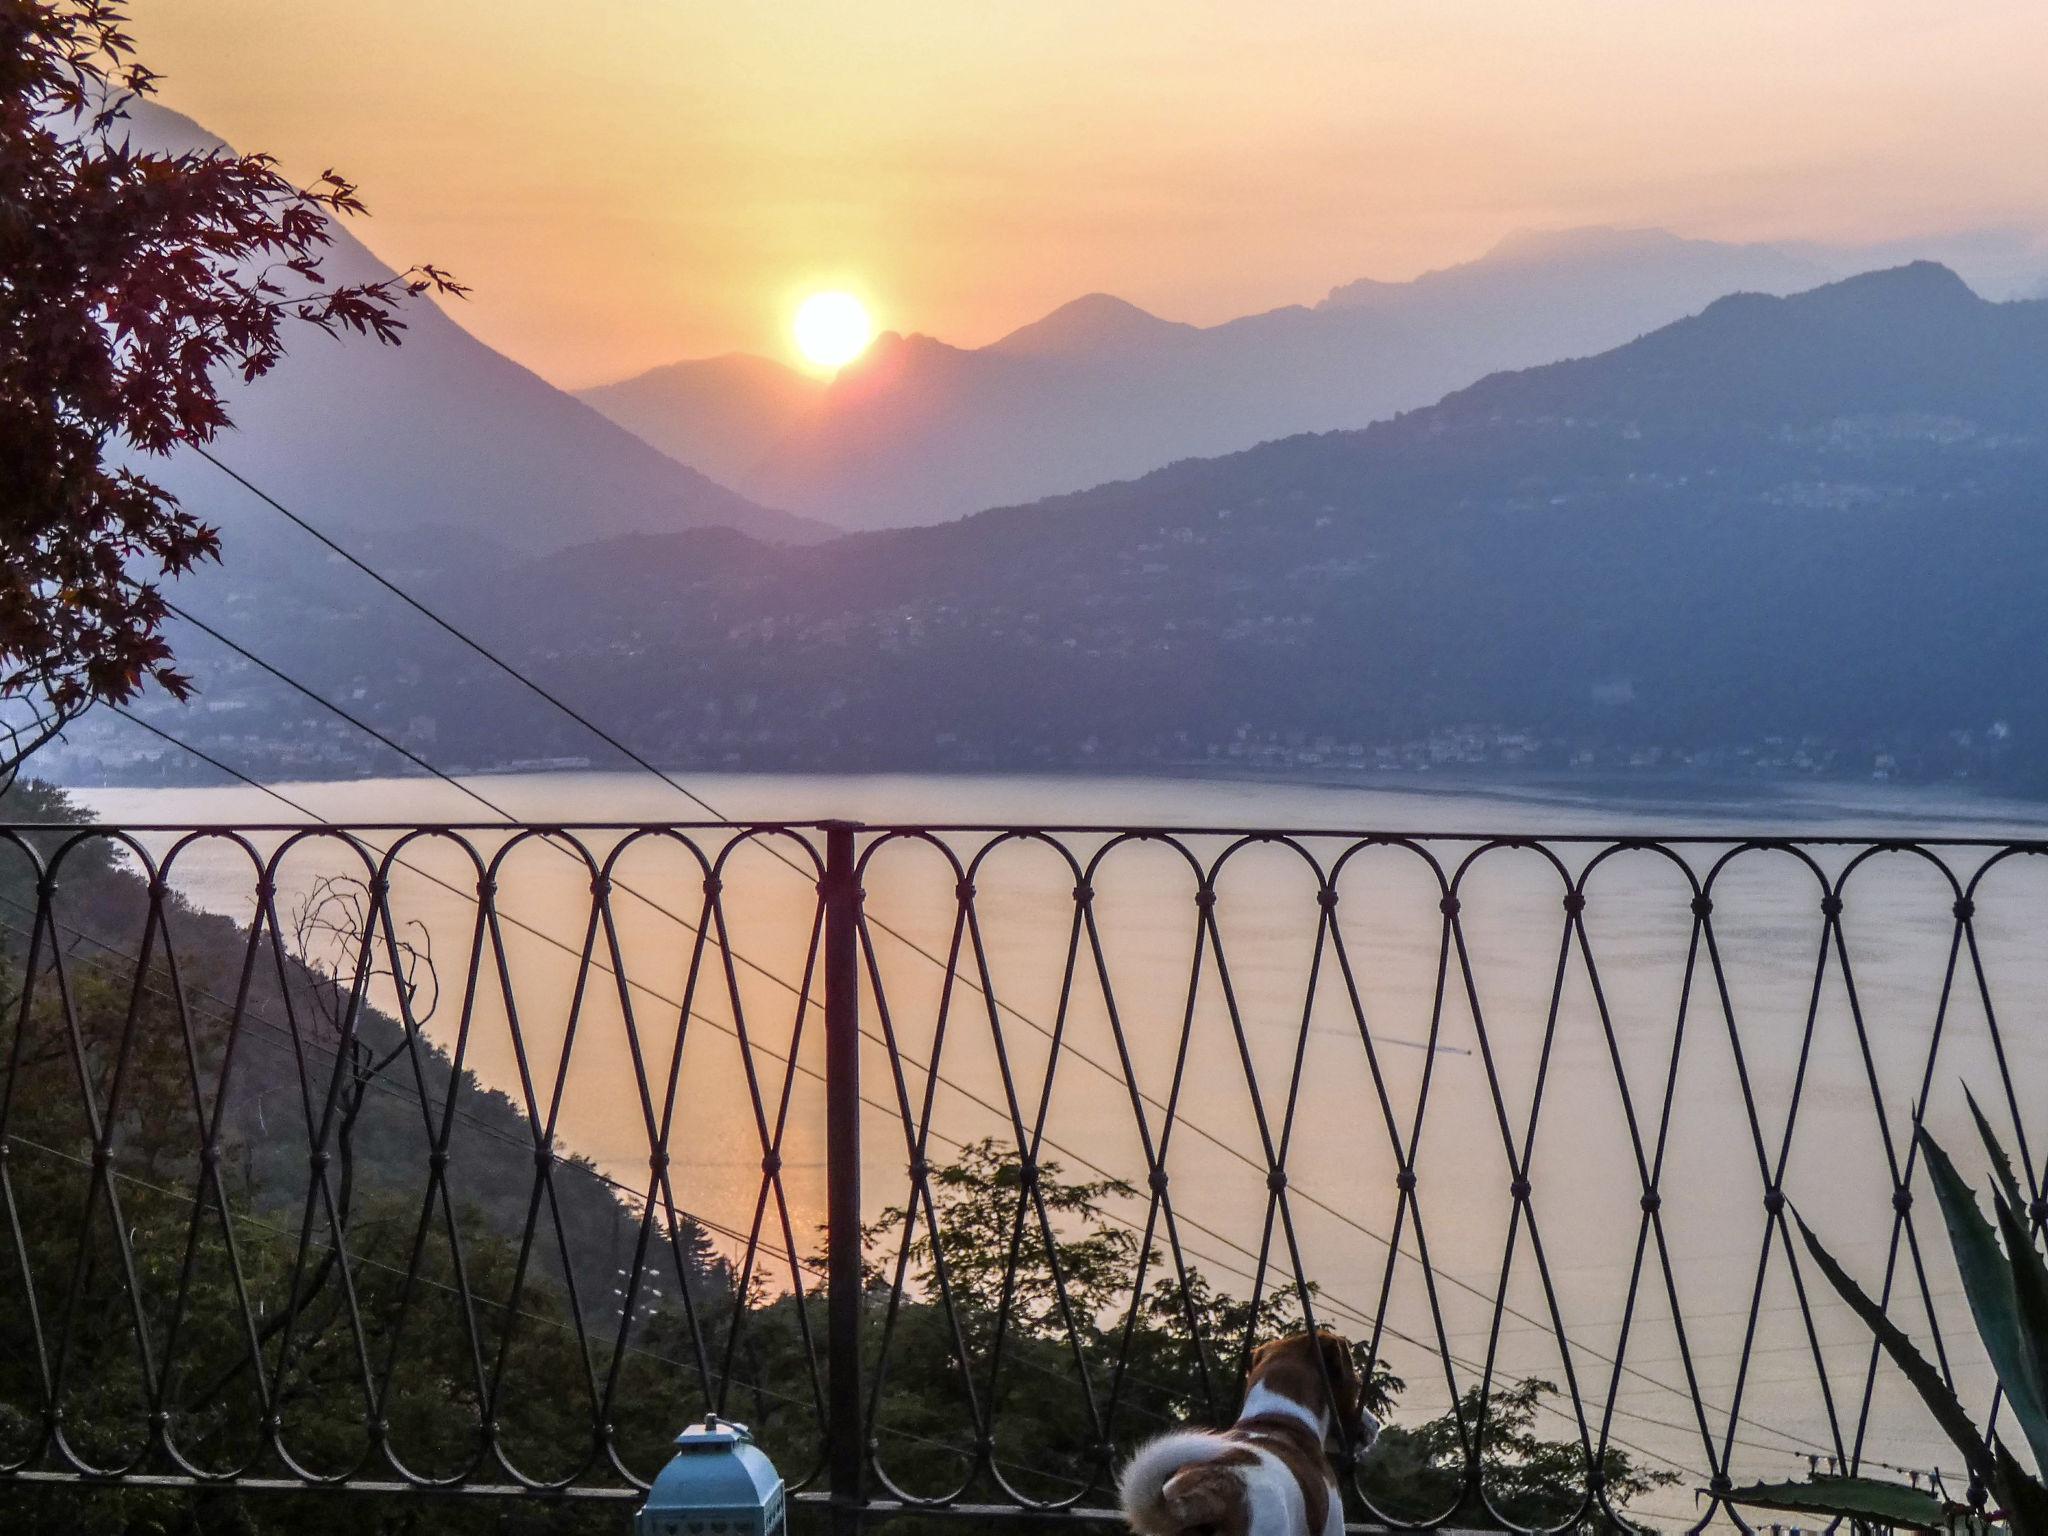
(1618, 838)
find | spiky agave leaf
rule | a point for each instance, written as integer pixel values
(1867, 1499)
(2022, 1500)
(2030, 1295)
(1947, 1408)
(2001, 1165)
(1988, 1281)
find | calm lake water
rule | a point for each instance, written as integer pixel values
(1538, 1015)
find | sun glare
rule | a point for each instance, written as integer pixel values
(832, 329)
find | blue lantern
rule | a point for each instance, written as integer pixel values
(719, 1484)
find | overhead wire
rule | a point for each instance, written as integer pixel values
(224, 1011)
(1238, 1154)
(1342, 1308)
(1356, 1313)
(1296, 1192)
(362, 1260)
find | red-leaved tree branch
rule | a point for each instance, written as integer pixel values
(133, 288)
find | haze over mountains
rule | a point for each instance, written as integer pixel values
(441, 437)
(1804, 533)
(1790, 532)
(918, 431)
(446, 437)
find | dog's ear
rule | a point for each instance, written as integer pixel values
(1261, 1354)
(1346, 1386)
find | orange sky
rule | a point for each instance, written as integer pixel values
(631, 182)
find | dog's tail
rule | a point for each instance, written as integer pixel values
(1158, 1500)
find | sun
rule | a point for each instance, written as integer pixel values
(832, 329)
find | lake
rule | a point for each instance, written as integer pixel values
(1538, 1017)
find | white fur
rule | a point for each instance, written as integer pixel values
(1263, 1402)
(1333, 1522)
(1277, 1507)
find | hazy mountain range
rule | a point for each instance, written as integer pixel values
(918, 431)
(439, 437)
(1787, 533)
(1815, 519)
(447, 436)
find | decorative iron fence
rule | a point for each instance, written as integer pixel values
(958, 1160)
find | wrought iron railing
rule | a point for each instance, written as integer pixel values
(961, 1159)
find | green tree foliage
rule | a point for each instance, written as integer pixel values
(132, 286)
(1531, 1482)
(1181, 1350)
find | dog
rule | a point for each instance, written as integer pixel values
(1268, 1474)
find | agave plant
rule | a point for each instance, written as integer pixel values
(2008, 1294)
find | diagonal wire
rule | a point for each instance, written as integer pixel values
(1303, 1195)
(1351, 1311)
(1225, 1266)
(994, 1110)
(640, 1350)
(223, 1013)
(1195, 1128)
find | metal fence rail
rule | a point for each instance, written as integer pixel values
(958, 1160)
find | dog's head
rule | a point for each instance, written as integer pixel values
(1316, 1370)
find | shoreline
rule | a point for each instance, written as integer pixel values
(1802, 807)
(1651, 789)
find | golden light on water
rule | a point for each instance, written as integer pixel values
(832, 329)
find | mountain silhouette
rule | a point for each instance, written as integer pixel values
(1911, 339)
(1094, 325)
(918, 431)
(1816, 519)
(717, 414)
(440, 436)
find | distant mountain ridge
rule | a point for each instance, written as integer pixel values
(1803, 533)
(1819, 518)
(919, 431)
(440, 435)
(1094, 325)
(1914, 340)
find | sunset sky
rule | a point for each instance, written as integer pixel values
(630, 183)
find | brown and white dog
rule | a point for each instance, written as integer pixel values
(1266, 1475)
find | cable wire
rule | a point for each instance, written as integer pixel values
(639, 760)
(1356, 1313)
